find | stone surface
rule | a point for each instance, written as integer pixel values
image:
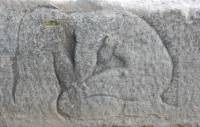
(187, 125)
(99, 63)
(148, 126)
(176, 125)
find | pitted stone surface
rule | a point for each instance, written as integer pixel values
(110, 55)
(99, 63)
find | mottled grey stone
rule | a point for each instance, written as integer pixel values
(99, 63)
(130, 72)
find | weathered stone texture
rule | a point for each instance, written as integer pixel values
(94, 63)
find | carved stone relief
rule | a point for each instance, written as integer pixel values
(100, 62)
(89, 63)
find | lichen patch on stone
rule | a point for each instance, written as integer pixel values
(51, 23)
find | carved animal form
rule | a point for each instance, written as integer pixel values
(106, 65)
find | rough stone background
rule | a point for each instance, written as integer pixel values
(94, 63)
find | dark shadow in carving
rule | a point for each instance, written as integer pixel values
(15, 76)
(15, 64)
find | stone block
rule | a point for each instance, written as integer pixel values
(95, 63)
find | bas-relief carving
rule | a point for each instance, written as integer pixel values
(181, 40)
(104, 65)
